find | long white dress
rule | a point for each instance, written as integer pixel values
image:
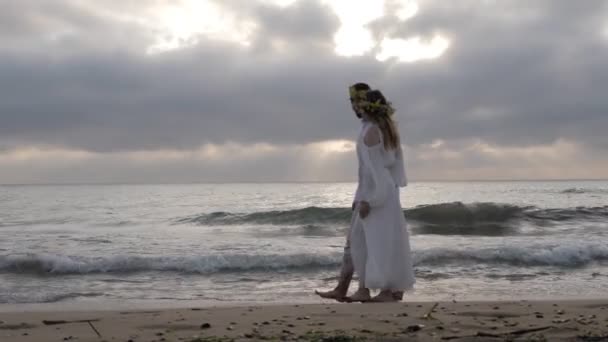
(380, 244)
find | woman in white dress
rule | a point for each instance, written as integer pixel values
(379, 238)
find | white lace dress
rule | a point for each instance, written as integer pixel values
(380, 244)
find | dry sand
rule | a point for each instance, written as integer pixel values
(584, 320)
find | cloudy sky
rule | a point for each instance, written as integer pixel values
(256, 90)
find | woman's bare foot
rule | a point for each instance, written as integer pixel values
(336, 294)
(398, 295)
(385, 296)
(362, 295)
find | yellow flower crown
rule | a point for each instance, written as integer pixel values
(357, 95)
(377, 106)
(360, 96)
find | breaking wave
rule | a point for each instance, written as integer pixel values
(567, 256)
(453, 218)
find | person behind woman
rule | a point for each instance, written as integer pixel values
(358, 93)
(379, 238)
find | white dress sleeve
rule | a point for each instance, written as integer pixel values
(373, 160)
(398, 169)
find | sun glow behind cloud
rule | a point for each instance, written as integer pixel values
(319, 161)
(280, 3)
(412, 49)
(334, 146)
(407, 9)
(353, 38)
(183, 23)
(206, 152)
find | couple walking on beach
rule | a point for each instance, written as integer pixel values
(377, 243)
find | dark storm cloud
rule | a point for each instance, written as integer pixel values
(515, 73)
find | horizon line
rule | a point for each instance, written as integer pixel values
(304, 182)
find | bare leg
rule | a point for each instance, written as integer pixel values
(346, 276)
(362, 295)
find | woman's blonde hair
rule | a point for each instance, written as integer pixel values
(380, 112)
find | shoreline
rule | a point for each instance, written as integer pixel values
(549, 320)
(86, 304)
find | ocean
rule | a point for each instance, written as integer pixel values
(224, 244)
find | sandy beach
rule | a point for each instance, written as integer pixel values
(584, 320)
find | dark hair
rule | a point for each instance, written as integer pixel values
(376, 96)
(382, 117)
(361, 86)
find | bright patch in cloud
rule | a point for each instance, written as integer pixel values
(329, 160)
(317, 161)
(353, 41)
(412, 49)
(407, 9)
(353, 38)
(556, 151)
(280, 3)
(42, 153)
(437, 143)
(180, 23)
(334, 146)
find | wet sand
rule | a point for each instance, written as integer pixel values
(575, 320)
